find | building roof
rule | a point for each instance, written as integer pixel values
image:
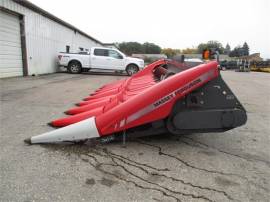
(40, 11)
(112, 45)
(254, 57)
(109, 44)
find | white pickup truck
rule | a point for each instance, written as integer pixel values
(100, 58)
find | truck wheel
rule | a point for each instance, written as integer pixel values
(132, 69)
(74, 67)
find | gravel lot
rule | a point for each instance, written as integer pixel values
(230, 166)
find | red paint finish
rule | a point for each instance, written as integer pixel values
(123, 116)
(139, 99)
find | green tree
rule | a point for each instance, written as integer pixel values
(170, 52)
(245, 49)
(190, 51)
(238, 51)
(151, 48)
(227, 49)
(130, 47)
(134, 47)
(214, 45)
(202, 47)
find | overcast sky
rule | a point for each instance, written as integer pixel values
(169, 23)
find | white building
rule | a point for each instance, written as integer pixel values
(31, 38)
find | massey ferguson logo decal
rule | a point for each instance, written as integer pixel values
(179, 91)
(188, 86)
(164, 100)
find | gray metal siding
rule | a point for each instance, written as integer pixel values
(45, 38)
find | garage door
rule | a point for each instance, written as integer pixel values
(10, 46)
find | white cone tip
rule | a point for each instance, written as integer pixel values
(82, 130)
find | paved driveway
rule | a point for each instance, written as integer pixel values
(230, 166)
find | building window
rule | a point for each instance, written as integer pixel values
(67, 49)
(81, 49)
